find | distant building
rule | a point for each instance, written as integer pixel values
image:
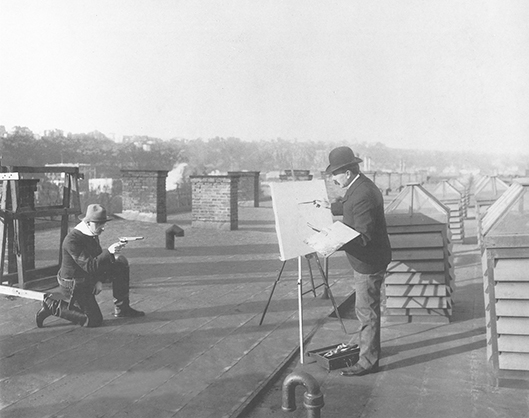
(86, 170)
(54, 133)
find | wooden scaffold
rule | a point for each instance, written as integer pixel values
(18, 213)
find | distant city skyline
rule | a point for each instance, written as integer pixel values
(442, 74)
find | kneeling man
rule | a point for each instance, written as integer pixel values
(85, 267)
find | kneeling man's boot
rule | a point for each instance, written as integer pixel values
(60, 309)
(43, 313)
(76, 317)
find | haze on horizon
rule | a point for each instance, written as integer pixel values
(441, 74)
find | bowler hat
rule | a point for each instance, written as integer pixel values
(95, 213)
(341, 157)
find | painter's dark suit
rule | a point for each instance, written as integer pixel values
(362, 208)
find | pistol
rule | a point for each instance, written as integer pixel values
(124, 240)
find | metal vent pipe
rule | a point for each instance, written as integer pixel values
(312, 399)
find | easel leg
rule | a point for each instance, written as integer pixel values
(300, 312)
(325, 294)
(3, 227)
(272, 292)
(308, 257)
(326, 281)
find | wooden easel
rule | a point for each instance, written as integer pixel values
(14, 214)
(327, 292)
(326, 288)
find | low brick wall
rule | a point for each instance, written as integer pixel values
(215, 202)
(144, 196)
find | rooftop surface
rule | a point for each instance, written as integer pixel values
(200, 351)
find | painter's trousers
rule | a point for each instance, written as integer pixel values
(367, 309)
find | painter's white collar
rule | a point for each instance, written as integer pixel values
(350, 184)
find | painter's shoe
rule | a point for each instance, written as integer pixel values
(357, 370)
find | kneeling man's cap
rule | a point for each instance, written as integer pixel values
(341, 157)
(95, 213)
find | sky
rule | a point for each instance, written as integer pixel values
(419, 74)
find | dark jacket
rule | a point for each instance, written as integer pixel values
(83, 257)
(362, 208)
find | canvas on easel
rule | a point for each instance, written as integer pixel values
(296, 215)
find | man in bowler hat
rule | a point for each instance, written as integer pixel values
(369, 254)
(85, 267)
